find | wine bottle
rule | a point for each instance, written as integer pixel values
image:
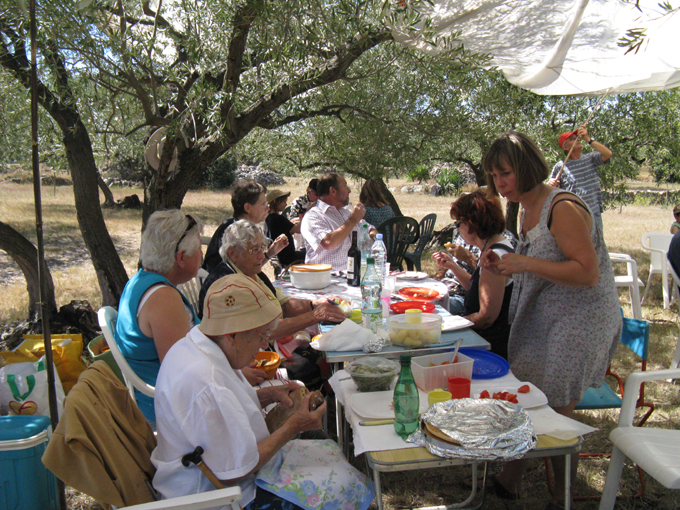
(354, 263)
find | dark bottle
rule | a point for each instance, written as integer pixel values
(354, 263)
(406, 400)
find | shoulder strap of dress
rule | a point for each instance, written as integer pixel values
(502, 246)
(575, 201)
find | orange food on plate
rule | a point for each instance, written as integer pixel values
(524, 389)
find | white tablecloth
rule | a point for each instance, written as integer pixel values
(383, 437)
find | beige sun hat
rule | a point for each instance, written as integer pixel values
(237, 303)
(276, 193)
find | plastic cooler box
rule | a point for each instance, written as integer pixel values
(25, 483)
(429, 378)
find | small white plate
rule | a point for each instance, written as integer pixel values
(412, 275)
(378, 404)
(534, 398)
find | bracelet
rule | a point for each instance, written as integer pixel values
(591, 141)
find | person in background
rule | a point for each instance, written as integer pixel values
(202, 398)
(675, 227)
(278, 224)
(480, 221)
(152, 313)
(304, 202)
(373, 197)
(243, 248)
(564, 311)
(249, 201)
(327, 227)
(580, 173)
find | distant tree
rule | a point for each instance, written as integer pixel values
(25, 254)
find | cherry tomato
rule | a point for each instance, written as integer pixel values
(484, 394)
(524, 389)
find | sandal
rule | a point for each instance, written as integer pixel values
(500, 491)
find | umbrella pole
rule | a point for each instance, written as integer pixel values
(44, 312)
(564, 163)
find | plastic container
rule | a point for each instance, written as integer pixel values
(429, 378)
(373, 373)
(99, 350)
(413, 335)
(310, 276)
(271, 362)
(26, 484)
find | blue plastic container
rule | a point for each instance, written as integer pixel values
(25, 483)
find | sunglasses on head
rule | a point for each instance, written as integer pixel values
(192, 223)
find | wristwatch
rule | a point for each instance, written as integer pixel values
(591, 141)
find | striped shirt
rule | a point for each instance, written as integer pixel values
(581, 178)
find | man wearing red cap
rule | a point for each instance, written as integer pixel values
(580, 172)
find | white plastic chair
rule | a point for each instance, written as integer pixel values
(656, 451)
(630, 280)
(657, 244)
(211, 499)
(107, 317)
(192, 288)
(676, 357)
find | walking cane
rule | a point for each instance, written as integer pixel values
(195, 458)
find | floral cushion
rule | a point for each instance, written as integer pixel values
(315, 475)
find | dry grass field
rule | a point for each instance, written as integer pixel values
(74, 279)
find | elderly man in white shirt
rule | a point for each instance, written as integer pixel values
(327, 227)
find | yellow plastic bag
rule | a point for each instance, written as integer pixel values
(66, 352)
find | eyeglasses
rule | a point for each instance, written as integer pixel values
(256, 251)
(265, 338)
(192, 223)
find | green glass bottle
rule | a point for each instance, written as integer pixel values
(406, 400)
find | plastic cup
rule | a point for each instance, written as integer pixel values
(437, 396)
(459, 387)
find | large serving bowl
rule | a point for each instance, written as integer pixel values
(373, 373)
(403, 332)
(310, 276)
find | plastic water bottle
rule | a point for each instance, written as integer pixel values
(371, 305)
(406, 400)
(365, 247)
(379, 254)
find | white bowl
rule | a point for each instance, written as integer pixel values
(310, 276)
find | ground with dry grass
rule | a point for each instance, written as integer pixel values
(74, 279)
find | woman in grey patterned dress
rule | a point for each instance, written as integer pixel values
(565, 315)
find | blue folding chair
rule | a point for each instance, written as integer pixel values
(635, 336)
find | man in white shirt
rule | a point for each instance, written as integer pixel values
(327, 227)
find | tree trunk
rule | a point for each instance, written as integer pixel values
(107, 264)
(25, 254)
(109, 201)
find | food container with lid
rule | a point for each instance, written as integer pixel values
(405, 331)
(310, 276)
(373, 373)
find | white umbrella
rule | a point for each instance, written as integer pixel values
(560, 47)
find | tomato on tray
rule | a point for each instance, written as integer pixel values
(418, 293)
(402, 306)
(524, 389)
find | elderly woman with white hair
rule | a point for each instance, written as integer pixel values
(243, 252)
(153, 314)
